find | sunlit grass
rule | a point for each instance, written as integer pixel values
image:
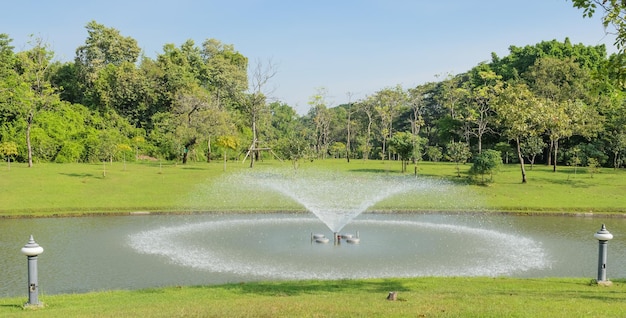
(417, 297)
(61, 189)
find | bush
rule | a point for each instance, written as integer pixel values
(487, 162)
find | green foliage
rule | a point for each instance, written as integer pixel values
(403, 143)
(294, 147)
(8, 148)
(593, 166)
(486, 163)
(227, 142)
(458, 152)
(506, 151)
(434, 153)
(190, 94)
(531, 147)
(338, 149)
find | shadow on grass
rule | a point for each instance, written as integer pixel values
(307, 287)
(78, 175)
(571, 182)
(18, 306)
(372, 170)
(192, 168)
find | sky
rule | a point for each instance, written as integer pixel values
(349, 48)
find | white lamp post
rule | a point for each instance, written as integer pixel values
(32, 250)
(603, 236)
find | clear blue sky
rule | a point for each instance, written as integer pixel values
(342, 45)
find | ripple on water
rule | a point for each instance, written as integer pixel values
(281, 248)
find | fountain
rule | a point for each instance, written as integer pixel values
(335, 198)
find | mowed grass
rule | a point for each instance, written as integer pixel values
(416, 297)
(71, 189)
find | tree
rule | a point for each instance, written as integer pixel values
(294, 146)
(227, 143)
(505, 149)
(614, 16)
(480, 110)
(33, 65)
(224, 71)
(12, 88)
(458, 152)
(531, 147)
(417, 99)
(8, 149)
(593, 166)
(486, 162)
(618, 147)
(367, 107)
(103, 46)
(402, 143)
(388, 104)
(434, 153)
(350, 112)
(255, 106)
(561, 86)
(321, 118)
(518, 111)
(193, 118)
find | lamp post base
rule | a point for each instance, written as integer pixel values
(33, 306)
(602, 282)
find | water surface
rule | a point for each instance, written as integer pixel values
(130, 252)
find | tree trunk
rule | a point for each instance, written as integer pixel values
(549, 157)
(348, 139)
(208, 151)
(521, 160)
(224, 159)
(185, 155)
(253, 147)
(556, 150)
(28, 145)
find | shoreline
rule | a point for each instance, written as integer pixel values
(615, 215)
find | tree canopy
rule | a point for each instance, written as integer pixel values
(192, 102)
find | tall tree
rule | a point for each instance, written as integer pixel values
(350, 111)
(403, 143)
(389, 102)
(614, 22)
(479, 113)
(33, 67)
(367, 107)
(254, 106)
(563, 87)
(417, 99)
(102, 47)
(321, 117)
(517, 111)
(224, 72)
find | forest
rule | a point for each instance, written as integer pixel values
(554, 103)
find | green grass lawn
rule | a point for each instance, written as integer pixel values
(62, 189)
(416, 297)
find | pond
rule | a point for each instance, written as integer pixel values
(131, 252)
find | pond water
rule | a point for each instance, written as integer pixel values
(130, 252)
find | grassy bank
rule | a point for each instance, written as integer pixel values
(70, 189)
(416, 297)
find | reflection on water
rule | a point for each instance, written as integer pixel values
(96, 253)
